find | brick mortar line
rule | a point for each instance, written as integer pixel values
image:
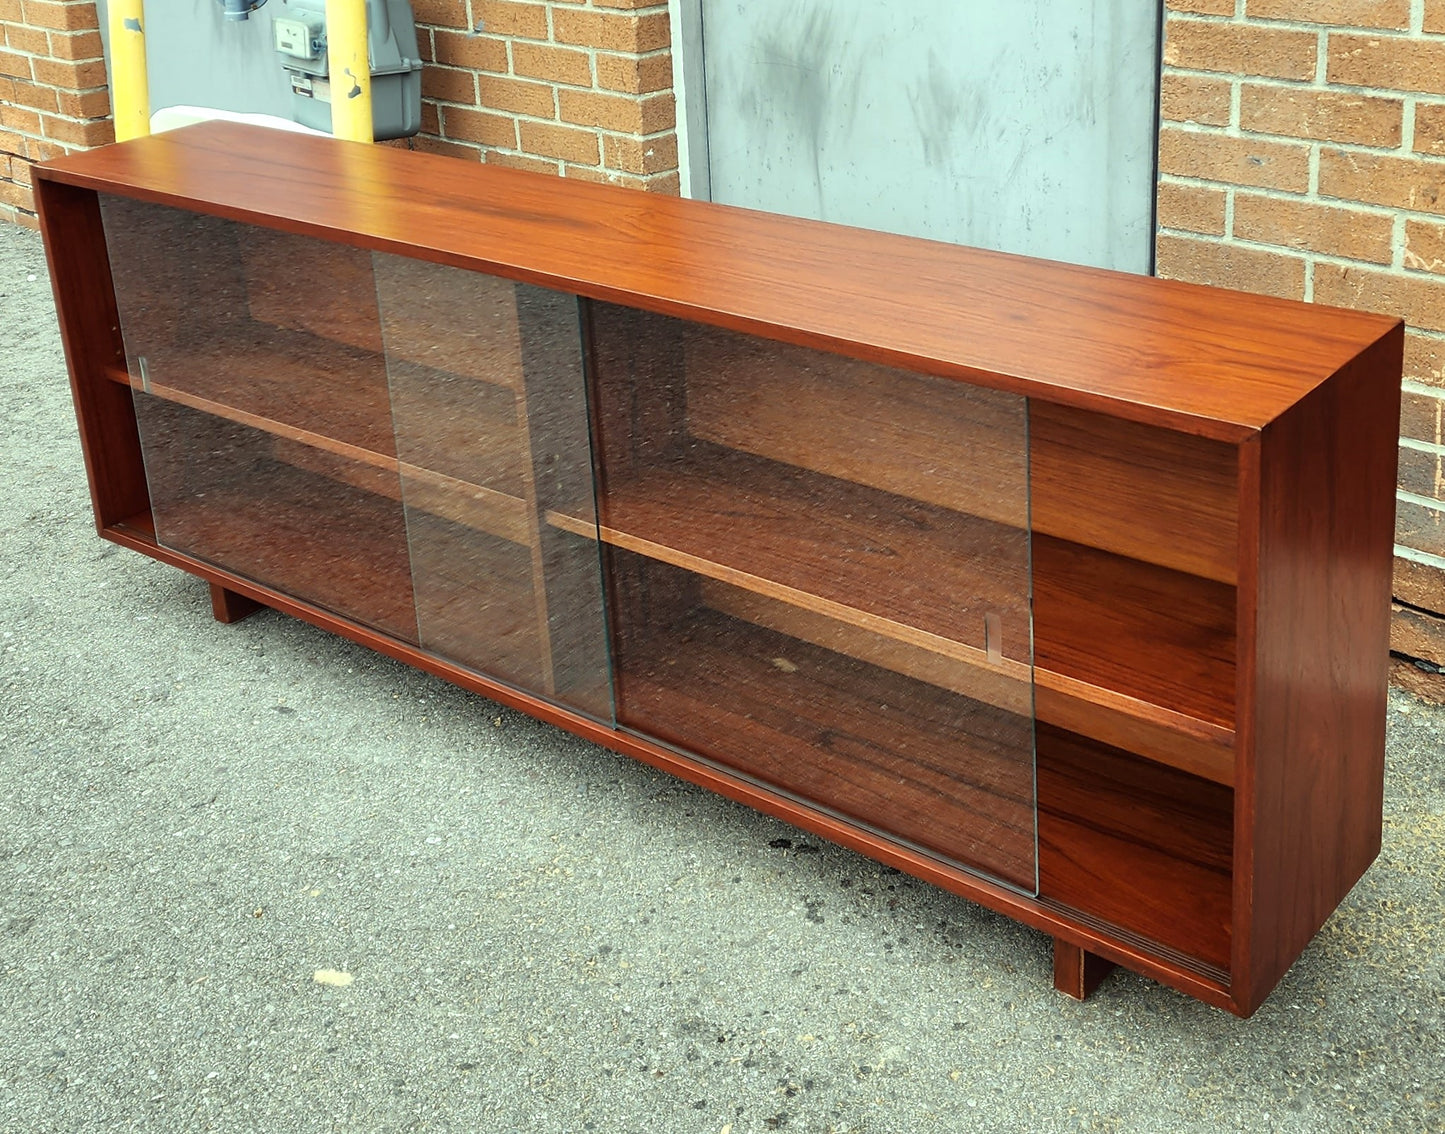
(1324, 29)
(1415, 386)
(489, 147)
(1307, 26)
(1329, 258)
(1348, 203)
(521, 117)
(522, 78)
(1415, 555)
(601, 132)
(1432, 447)
(1236, 79)
(556, 84)
(1206, 130)
(564, 164)
(1430, 503)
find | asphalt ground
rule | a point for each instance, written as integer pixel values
(198, 820)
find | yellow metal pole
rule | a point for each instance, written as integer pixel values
(129, 88)
(350, 70)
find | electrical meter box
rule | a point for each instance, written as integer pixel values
(298, 34)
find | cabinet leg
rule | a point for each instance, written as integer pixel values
(1077, 972)
(228, 606)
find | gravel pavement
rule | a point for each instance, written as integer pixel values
(257, 878)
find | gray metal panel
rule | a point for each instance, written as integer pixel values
(690, 91)
(196, 57)
(1027, 127)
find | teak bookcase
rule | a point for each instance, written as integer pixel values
(1065, 590)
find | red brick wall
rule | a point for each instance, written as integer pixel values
(581, 88)
(1303, 154)
(53, 95)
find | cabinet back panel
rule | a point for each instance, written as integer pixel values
(946, 443)
(185, 312)
(1136, 490)
(314, 291)
(464, 323)
(1135, 844)
(475, 602)
(1157, 635)
(911, 759)
(219, 494)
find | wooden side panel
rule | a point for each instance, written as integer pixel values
(1313, 776)
(1136, 490)
(1135, 844)
(90, 330)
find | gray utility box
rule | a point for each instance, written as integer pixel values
(298, 33)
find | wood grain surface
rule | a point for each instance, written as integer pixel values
(1202, 360)
(1150, 633)
(905, 569)
(1136, 490)
(1314, 731)
(1049, 917)
(1136, 844)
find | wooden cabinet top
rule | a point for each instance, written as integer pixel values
(1217, 363)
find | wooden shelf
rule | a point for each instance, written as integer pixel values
(1158, 636)
(826, 545)
(1175, 739)
(324, 442)
(1137, 844)
(700, 517)
(314, 385)
(484, 508)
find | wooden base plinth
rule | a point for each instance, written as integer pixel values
(228, 606)
(1077, 972)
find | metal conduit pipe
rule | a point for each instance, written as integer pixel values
(349, 67)
(130, 98)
